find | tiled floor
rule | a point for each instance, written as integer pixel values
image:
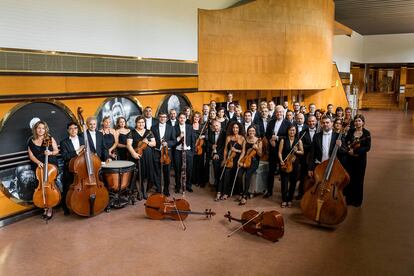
(377, 239)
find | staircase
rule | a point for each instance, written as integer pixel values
(377, 100)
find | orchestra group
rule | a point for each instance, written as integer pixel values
(223, 141)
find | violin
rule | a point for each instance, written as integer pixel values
(356, 144)
(200, 142)
(142, 145)
(324, 202)
(265, 151)
(159, 206)
(268, 225)
(165, 157)
(287, 167)
(46, 195)
(87, 196)
(230, 159)
(246, 161)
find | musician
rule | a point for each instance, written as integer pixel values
(70, 147)
(149, 120)
(221, 118)
(164, 137)
(255, 113)
(359, 141)
(145, 161)
(230, 111)
(96, 140)
(329, 111)
(263, 122)
(289, 116)
(121, 134)
(337, 126)
(252, 142)
(323, 144)
(206, 111)
(308, 133)
(187, 112)
(37, 151)
(300, 123)
(248, 120)
(348, 123)
(212, 115)
(237, 115)
(198, 177)
(339, 113)
(271, 106)
(109, 137)
(263, 104)
(312, 109)
(172, 118)
(213, 105)
(234, 149)
(289, 145)
(285, 108)
(318, 116)
(185, 138)
(296, 108)
(229, 102)
(215, 150)
(276, 130)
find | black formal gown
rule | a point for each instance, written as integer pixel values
(146, 162)
(226, 184)
(248, 173)
(198, 174)
(288, 180)
(108, 140)
(122, 152)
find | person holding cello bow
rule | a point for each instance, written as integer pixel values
(200, 129)
(121, 134)
(96, 140)
(250, 162)
(39, 146)
(109, 137)
(215, 149)
(276, 129)
(185, 145)
(289, 147)
(70, 147)
(164, 137)
(358, 141)
(139, 139)
(234, 149)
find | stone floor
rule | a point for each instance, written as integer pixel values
(376, 239)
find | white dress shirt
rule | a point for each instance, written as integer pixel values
(75, 142)
(205, 118)
(173, 122)
(277, 126)
(148, 123)
(271, 113)
(93, 136)
(312, 132)
(161, 128)
(246, 126)
(326, 143)
(264, 124)
(216, 136)
(300, 127)
(231, 114)
(180, 146)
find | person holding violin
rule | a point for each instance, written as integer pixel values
(197, 176)
(359, 143)
(185, 144)
(164, 137)
(234, 149)
(121, 133)
(38, 149)
(337, 125)
(215, 149)
(348, 123)
(70, 147)
(288, 148)
(250, 162)
(139, 139)
(109, 137)
(96, 140)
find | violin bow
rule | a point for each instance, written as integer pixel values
(247, 222)
(179, 216)
(224, 168)
(234, 181)
(294, 146)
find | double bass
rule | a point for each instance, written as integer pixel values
(324, 202)
(46, 195)
(268, 225)
(87, 196)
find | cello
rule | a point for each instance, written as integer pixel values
(46, 195)
(268, 225)
(324, 202)
(87, 196)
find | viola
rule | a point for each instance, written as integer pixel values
(356, 144)
(324, 202)
(200, 142)
(246, 161)
(287, 167)
(159, 206)
(87, 196)
(46, 195)
(165, 157)
(141, 145)
(268, 225)
(265, 150)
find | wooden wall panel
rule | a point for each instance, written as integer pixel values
(267, 44)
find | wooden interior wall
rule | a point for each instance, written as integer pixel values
(267, 44)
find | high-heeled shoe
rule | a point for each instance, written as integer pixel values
(49, 216)
(243, 201)
(218, 196)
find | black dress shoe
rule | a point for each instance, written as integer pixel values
(266, 195)
(189, 190)
(66, 212)
(167, 194)
(298, 197)
(176, 190)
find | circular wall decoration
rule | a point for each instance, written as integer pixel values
(174, 101)
(128, 108)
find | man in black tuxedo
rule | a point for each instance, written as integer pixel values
(271, 106)
(215, 149)
(185, 137)
(323, 144)
(248, 121)
(289, 116)
(149, 120)
(276, 130)
(263, 122)
(95, 139)
(172, 117)
(255, 112)
(307, 139)
(164, 136)
(300, 123)
(230, 111)
(70, 147)
(237, 115)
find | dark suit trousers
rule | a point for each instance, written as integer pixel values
(178, 164)
(165, 173)
(273, 163)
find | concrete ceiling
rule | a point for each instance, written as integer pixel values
(369, 17)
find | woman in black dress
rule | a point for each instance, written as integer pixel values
(221, 117)
(109, 135)
(197, 175)
(288, 180)
(348, 123)
(252, 142)
(359, 143)
(121, 135)
(37, 152)
(145, 161)
(235, 145)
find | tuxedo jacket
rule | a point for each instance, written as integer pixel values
(100, 149)
(221, 141)
(234, 119)
(169, 135)
(154, 122)
(282, 132)
(67, 151)
(304, 127)
(306, 140)
(256, 117)
(190, 137)
(252, 124)
(316, 148)
(260, 125)
(170, 123)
